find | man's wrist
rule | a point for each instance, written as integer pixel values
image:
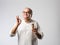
(36, 32)
(17, 24)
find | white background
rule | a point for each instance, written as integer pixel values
(45, 12)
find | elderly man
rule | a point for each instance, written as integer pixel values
(28, 30)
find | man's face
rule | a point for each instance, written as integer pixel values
(26, 14)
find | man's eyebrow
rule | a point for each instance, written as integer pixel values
(26, 11)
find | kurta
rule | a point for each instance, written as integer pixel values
(25, 34)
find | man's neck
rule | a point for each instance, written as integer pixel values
(28, 20)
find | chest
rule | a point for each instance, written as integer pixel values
(25, 28)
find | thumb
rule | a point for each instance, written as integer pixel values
(32, 26)
(17, 17)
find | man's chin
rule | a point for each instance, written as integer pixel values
(26, 18)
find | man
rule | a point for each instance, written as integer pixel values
(28, 30)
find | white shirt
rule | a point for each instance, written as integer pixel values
(25, 35)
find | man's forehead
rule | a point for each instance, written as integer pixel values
(26, 9)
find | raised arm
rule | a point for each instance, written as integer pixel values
(14, 28)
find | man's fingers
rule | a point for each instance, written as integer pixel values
(17, 17)
(34, 29)
(19, 20)
(32, 26)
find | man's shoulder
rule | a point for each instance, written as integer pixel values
(34, 21)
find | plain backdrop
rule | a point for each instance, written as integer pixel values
(45, 12)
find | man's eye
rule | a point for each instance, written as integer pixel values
(26, 12)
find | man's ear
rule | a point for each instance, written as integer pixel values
(30, 15)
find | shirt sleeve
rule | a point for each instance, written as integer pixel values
(39, 30)
(11, 34)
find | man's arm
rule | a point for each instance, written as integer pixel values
(14, 28)
(39, 35)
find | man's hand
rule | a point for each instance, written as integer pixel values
(34, 30)
(18, 20)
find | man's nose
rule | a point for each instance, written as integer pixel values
(25, 13)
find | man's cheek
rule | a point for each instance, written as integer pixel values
(25, 16)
